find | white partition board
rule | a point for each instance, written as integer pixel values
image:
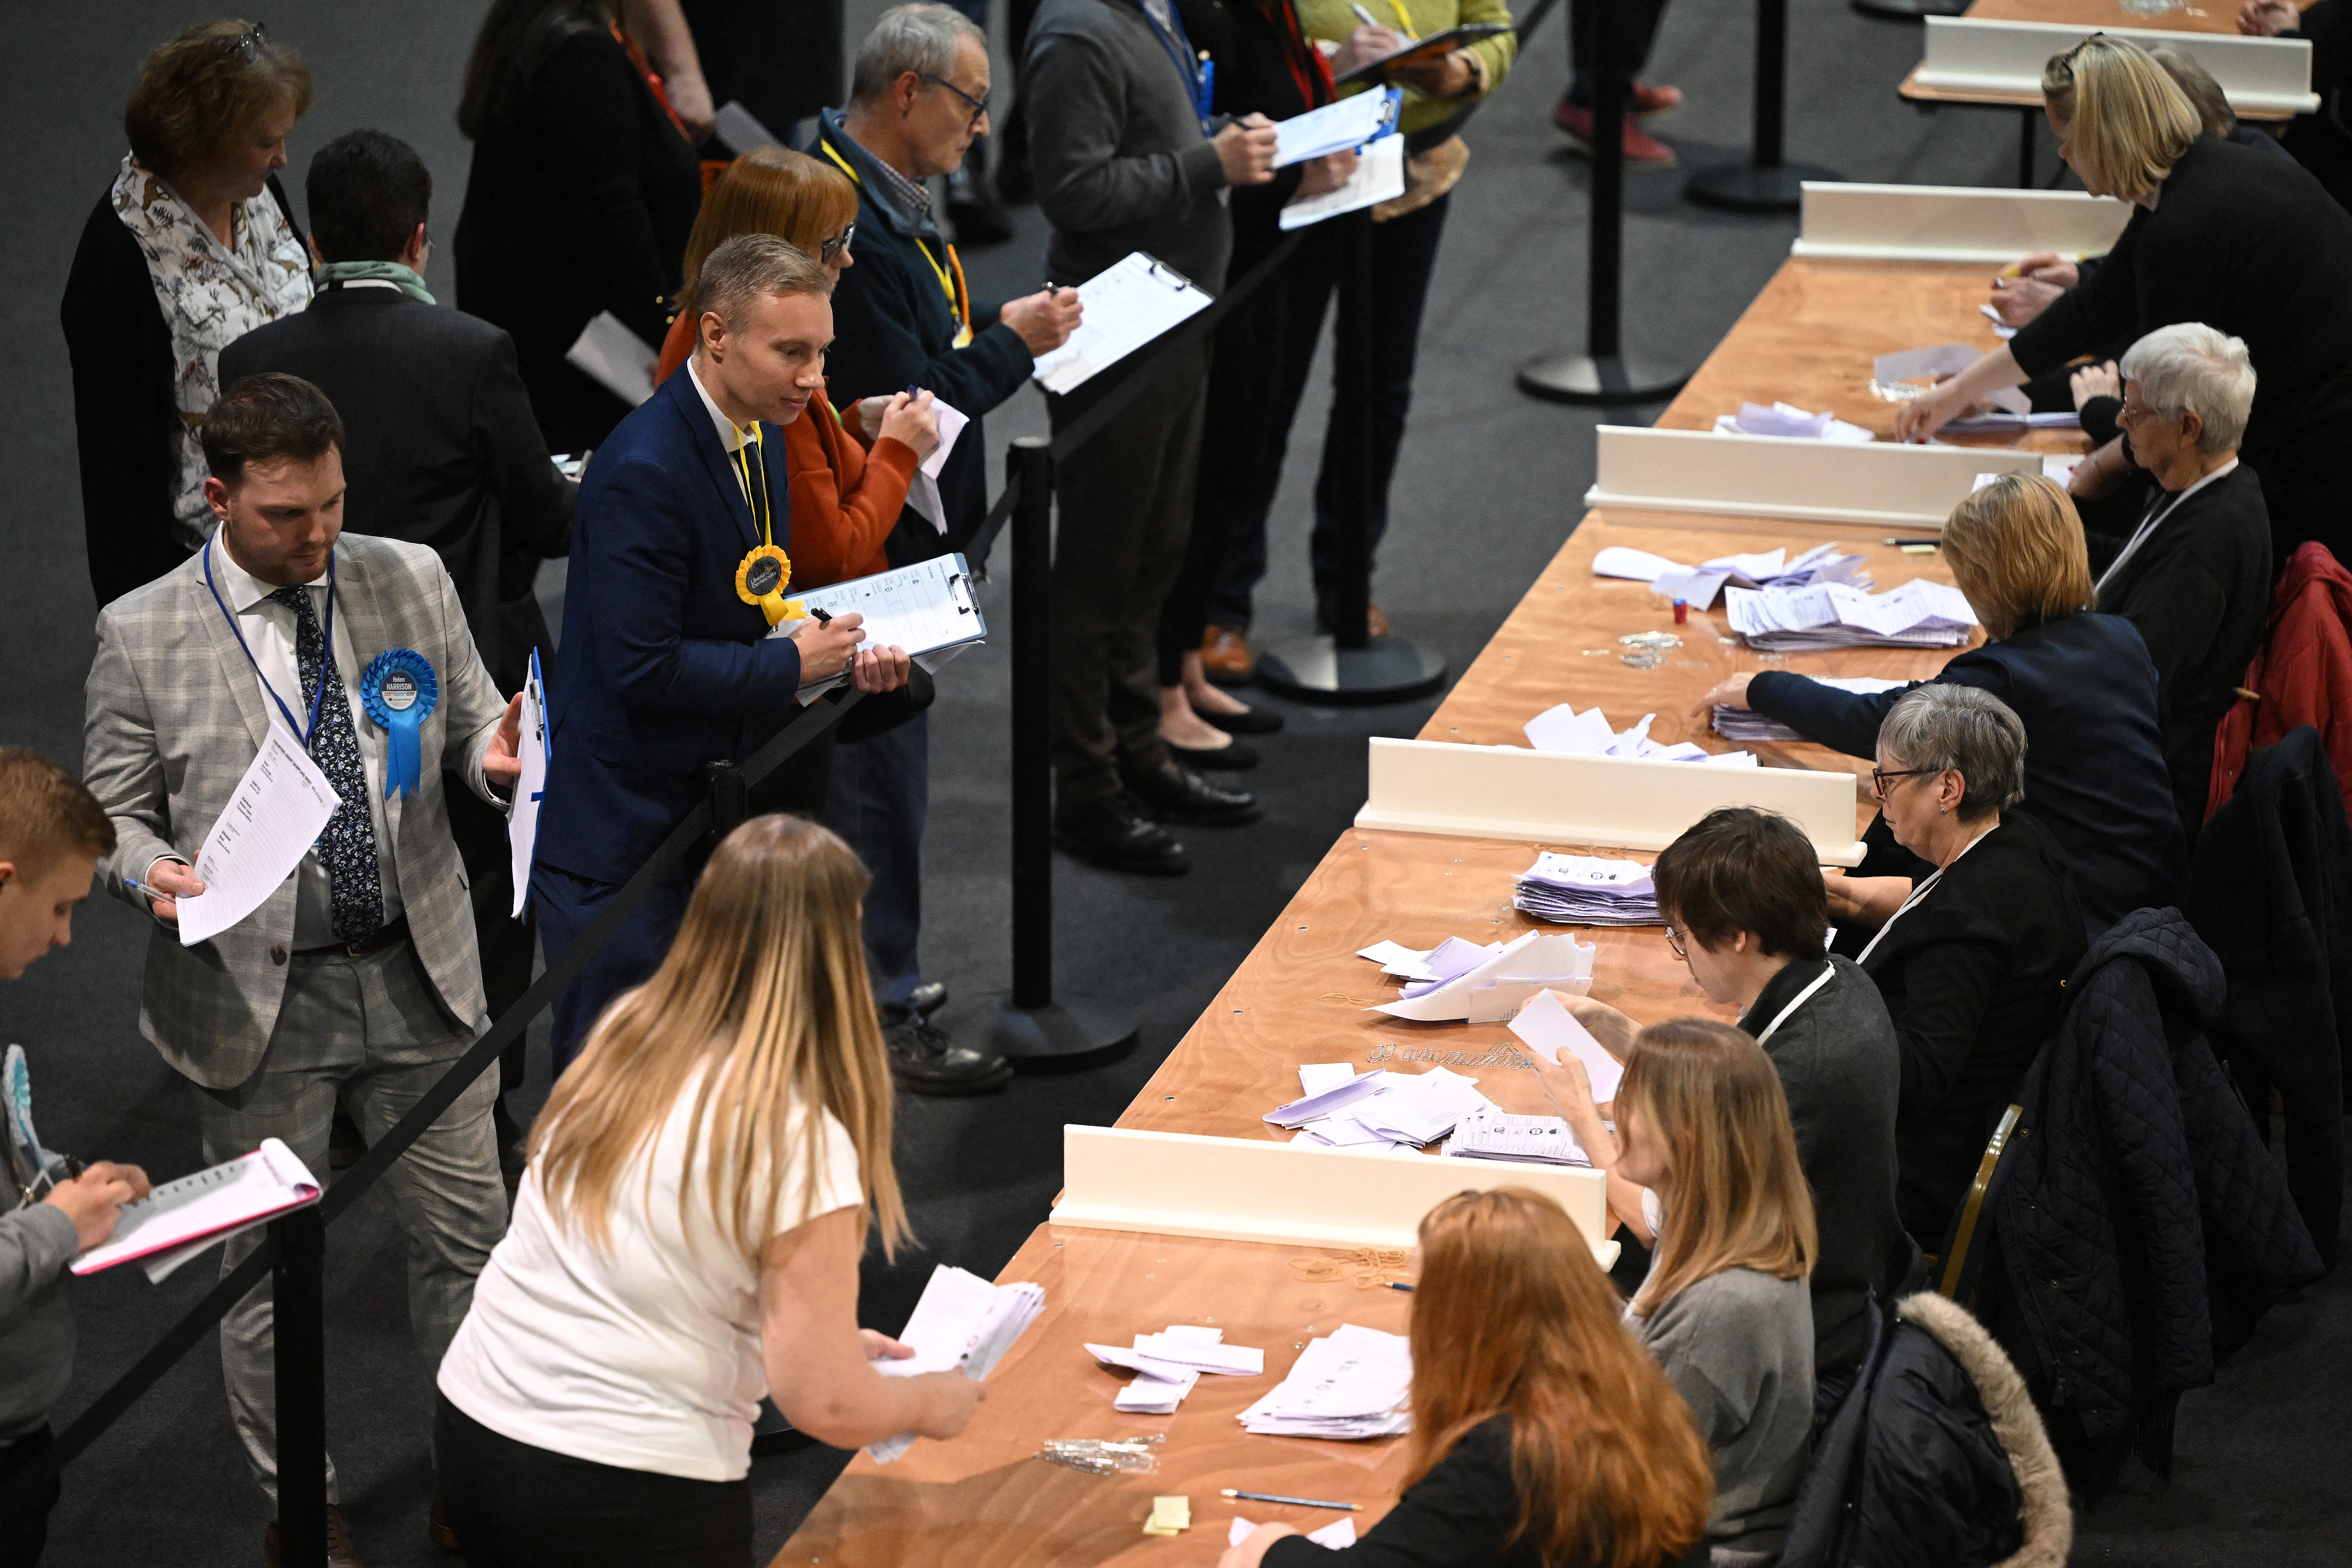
(1549, 797)
(1880, 483)
(1967, 54)
(1245, 1189)
(1953, 223)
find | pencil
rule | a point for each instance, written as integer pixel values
(1301, 1501)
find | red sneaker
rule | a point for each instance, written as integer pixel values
(1642, 151)
(1652, 102)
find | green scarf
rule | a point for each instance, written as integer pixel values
(393, 272)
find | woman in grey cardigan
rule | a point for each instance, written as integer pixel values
(1702, 1122)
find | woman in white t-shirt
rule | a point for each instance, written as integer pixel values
(687, 1239)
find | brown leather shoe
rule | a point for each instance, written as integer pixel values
(1225, 656)
(437, 1533)
(341, 1552)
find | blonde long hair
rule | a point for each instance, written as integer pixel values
(762, 1006)
(1512, 1317)
(1707, 1095)
(2129, 121)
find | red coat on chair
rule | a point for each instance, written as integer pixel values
(2303, 675)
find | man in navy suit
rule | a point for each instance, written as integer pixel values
(667, 662)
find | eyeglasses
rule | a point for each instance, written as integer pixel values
(1675, 938)
(837, 244)
(249, 44)
(979, 105)
(1880, 777)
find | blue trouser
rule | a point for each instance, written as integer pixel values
(567, 905)
(879, 797)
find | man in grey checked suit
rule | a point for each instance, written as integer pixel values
(357, 978)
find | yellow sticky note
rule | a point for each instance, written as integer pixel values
(1150, 1527)
(1171, 1514)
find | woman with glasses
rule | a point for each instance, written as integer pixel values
(193, 246)
(2084, 684)
(583, 186)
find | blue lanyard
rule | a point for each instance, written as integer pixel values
(1180, 49)
(326, 646)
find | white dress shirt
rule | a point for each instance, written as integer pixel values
(268, 630)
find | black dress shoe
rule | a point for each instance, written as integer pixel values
(927, 1060)
(1248, 722)
(929, 998)
(1116, 834)
(1231, 757)
(1174, 794)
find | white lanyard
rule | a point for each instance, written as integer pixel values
(1781, 1017)
(2139, 535)
(1918, 893)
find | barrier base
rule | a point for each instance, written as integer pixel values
(1747, 188)
(1909, 10)
(1614, 381)
(1317, 669)
(1071, 1033)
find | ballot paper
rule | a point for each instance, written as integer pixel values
(1379, 177)
(1159, 1385)
(1910, 371)
(1499, 1135)
(1350, 1383)
(1696, 585)
(1587, 890)
(1494, 990)
(182, 1219)
(1335, 127)
(1785, 420)
(275, 812)
(1376, 1109)
(923, 495)
(2000, 328)
(1202, 1354)
(1546, 1028)
(1126, 307)
(925, 608)
(1746, 724)
(1331, 1101)
(962, 1323)
(1335, 1537)
(1919, 614)
(1588, 735)
(614, 358)
(531, 788)
(1973, 424)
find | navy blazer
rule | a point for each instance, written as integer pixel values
(663, 667)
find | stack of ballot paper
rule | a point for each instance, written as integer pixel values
(964, 1324)
(1460, 981)
(1332, 1537)
(1587, 890)
(1696, 585)
(1167, 1366)
(1780, 419)
(1378, 1112)
(1350, 1383)
(1746, 724)
(1499, 1135)
(1919, 614)
(1588, 735)
(1546, 1028)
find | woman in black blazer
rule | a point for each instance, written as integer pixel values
(584, 190)
(2082, 683)
(1972, 960)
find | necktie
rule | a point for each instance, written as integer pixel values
(347, 847)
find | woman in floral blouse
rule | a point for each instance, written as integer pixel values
(192, 246)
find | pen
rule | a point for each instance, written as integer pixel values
(1301, 1501)
(1364, 15)
(1395, 1286)
(821, 617)
(1907, 543)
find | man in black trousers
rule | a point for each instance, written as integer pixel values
(443, 450)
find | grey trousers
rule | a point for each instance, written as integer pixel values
(1125, 512)
(371, 1032)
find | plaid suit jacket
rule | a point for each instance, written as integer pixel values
(173, 716)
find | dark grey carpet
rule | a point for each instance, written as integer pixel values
(1489, 486)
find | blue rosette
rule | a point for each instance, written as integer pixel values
(399, 690)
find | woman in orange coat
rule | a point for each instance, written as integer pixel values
(845, 499)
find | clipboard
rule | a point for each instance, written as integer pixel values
(1421, 51)
(1126, 306)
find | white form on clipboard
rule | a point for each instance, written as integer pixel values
(927, 609)
(1126, 306)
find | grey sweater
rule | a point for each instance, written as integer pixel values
(1843, 1074)
(1116, 146)
(1739, 1347)
(36, 1326)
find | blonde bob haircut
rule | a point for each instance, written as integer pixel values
(801, 200)
(763, 1012)
(2016, 551)
(2129, 118)
(1707, 1095)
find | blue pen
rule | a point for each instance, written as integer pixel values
(1393, 1285)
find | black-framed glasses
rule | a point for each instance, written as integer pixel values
(1675, 940)
(979, 105)
(1880, 777)
(249, 44)
(832, 248)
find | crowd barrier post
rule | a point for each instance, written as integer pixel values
(1344, 663)
(730, 798)
(1767, 183)
(298, 1291)
(1604, 374)
(1032, 1027)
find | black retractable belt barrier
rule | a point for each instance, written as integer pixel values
(1604, 374)
(1766, 183)
(297, 1282)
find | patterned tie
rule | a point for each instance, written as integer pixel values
(347, 847)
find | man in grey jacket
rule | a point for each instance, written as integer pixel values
(1125, 157)
(52, 834)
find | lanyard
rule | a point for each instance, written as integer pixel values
(959, 295)
(1918, 893)
(2139, 535)
(763, 509)
(1187, 63)
(1781, 1017)
(326, 646)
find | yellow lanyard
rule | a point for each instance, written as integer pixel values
(959, 299)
